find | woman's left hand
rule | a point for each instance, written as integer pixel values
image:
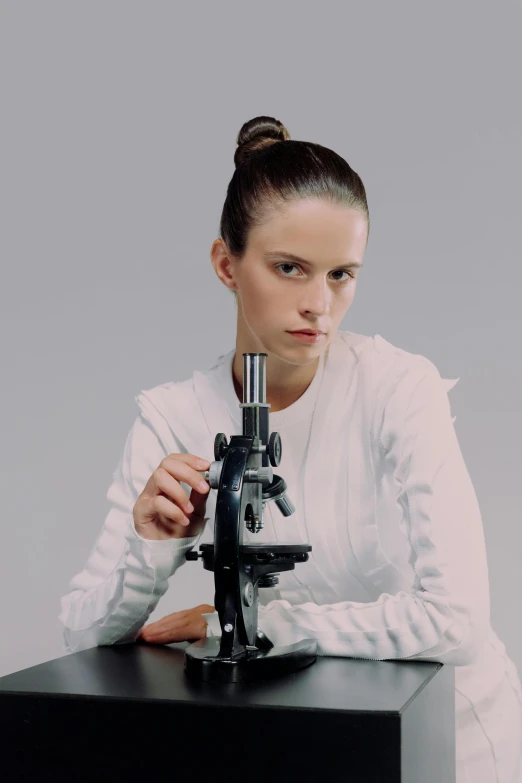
(188, 625)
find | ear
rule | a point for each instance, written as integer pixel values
(223, 263)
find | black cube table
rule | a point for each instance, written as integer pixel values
(130, 713)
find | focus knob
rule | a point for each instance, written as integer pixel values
(220, 445)
(275, 449)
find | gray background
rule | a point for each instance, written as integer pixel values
(118, 129)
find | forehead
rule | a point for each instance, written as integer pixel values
(313, 230)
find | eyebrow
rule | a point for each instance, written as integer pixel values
(291, 257)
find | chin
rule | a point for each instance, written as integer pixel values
(298, 353)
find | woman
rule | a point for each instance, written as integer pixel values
(398, 566)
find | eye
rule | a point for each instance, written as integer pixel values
(344, 271)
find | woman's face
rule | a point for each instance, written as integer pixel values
(277, 293)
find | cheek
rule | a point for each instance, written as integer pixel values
(263, 293)
(342, 302)
(350, 293)
(266, 305)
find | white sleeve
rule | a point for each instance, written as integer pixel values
(110, 600)
(446, 617)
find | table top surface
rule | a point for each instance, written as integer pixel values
(146, 672)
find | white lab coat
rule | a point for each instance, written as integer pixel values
(398, 567)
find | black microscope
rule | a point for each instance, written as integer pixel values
(242, 474)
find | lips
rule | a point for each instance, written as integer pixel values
(304, 331)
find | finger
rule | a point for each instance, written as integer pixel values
(169, 513)
(169, 623)
(186, 468)
(169, 620)
(170, 488)
(154, 628)
(164, 637)
(199, 502)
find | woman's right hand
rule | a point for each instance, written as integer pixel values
(161, 512)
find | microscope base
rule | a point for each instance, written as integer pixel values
(201, 662)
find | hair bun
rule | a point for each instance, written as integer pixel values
(256, 134)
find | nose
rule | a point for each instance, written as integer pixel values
(318, 298)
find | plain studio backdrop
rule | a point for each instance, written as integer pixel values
(118, 129)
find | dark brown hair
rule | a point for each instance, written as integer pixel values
(270, 175)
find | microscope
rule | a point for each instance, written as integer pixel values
(243, 476)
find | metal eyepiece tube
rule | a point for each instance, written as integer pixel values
(254, 378)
